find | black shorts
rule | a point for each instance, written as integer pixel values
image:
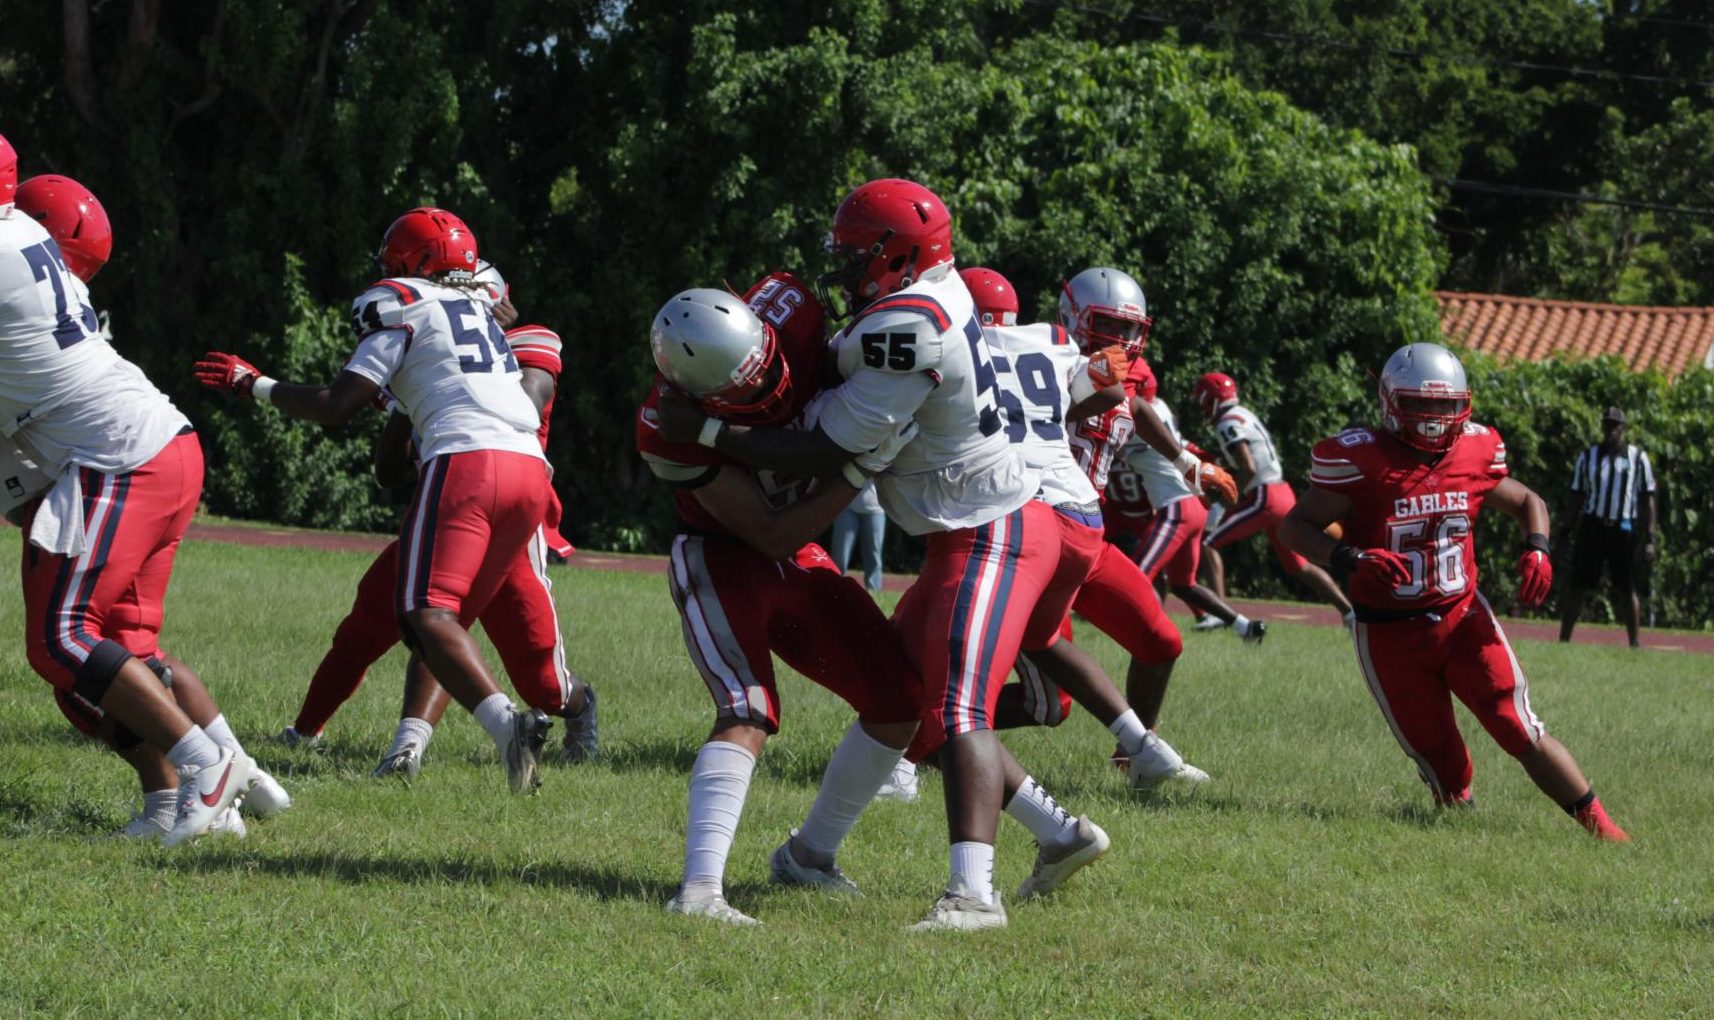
(1602, 544)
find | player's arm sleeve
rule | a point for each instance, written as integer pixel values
(536, 347)
(1334, 466)
(1497, 458)
(869, 407)
(679, 465)
(379, 354)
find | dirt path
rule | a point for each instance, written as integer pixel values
(1295, 612)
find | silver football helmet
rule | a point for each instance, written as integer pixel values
(489, 278)
(1101, 307)
(711, 345)
(1425, 397)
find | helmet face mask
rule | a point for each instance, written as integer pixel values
(1425, 397)
(709, 344)
(1105, 307)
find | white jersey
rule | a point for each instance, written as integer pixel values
(439, 352)
(66, 396)
(1161, 479)
(920, 354)
(1037, 364)
(1238, 425)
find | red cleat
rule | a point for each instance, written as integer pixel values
(1463, 798)
(1594, 818)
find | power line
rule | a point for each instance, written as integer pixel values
(1520, 191)
(1326, 42)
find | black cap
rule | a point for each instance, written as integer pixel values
(1614, 414)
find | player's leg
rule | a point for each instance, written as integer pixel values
(473, 512)
(829, 629)
(1064, 844)
(366, 633)
(1586, 561)
(1621, 558)
(724, 597)
(523, 623)
(1036, 699)
(1402, 663)
(1484, 673)
(425, 702)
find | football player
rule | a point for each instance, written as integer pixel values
(120, 477)
(749, 581)
(1408, 494)
(1000, 567)
(521, 620)
(1172, 541)
(1245, 443)
(1046, 381)
(427, 333)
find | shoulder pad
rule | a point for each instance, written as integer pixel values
(900, 339)
(1338, 461)
(382, 306)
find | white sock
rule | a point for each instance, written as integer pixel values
(859, 766)
(973, 870)
(194, 750)
(495, 715)
(1240, 622)
(411, 731)
(161, 806)
(719, 781)
(1038, 812)
(1130, 731)
(221, 733)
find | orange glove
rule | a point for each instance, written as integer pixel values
(1214, 480)
(1108, 366)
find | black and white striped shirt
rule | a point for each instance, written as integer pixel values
(1612, 485)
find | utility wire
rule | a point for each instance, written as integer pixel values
(1520, 191)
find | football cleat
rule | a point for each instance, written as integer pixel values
(957, 912)
(205, 793)
(405, 763)
(1055, 866)
(1255, 632)
(1462, 799)
(1594, 819)
(292, 738)
(266, 797)
(229, 823)
(1157, 763)
(786, 870)
(709, 905)
(1210, 623)
(582, 738)
(142, 826)
(524, 750)
(901, 785)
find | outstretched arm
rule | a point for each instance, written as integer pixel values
(787, 451)
(325, 405)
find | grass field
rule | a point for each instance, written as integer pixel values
(1310, 879)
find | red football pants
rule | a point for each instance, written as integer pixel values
(1414, 668)
(1262, 510)
(471, 516)
(1173, 542)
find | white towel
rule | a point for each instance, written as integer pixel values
(58, 527)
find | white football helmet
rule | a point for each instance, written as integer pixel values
(1425, 397)
(488, 276)
(711, 345)
(1102, 307)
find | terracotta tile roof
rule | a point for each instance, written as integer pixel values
(1671, 339)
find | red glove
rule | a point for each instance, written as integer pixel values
(1380, 566)
(229, 372)
(1535, 571)
(814, 557)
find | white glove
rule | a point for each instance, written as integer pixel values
(859, 469)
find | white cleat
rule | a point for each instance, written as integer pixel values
(901, 785)
(1210, 623)
(205, 793)
(230, 823)
(292, 738)
(1054, 867)
(1157, 763)
(524, 750)
(405, 763)
(958, 912)
(267, 797)
(710, 905)
(786, 870)
(142, 826)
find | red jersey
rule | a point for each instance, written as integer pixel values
(1095, 442)
(800, 323)
(1126, 496)
(1426, 512)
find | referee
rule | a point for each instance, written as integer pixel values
(1615, 488)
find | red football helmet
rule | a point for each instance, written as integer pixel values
(425, 242)
(8, 174)
(1215, 391)
(73, 217)
(1147, 386)
(888, 233)
(996, 300)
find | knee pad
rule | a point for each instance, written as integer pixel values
(162, 671)
(96, 674)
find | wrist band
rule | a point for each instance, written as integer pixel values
(1538, 542)
(1186, 462)
(711, 429)
(262, 388)
(854, 475)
